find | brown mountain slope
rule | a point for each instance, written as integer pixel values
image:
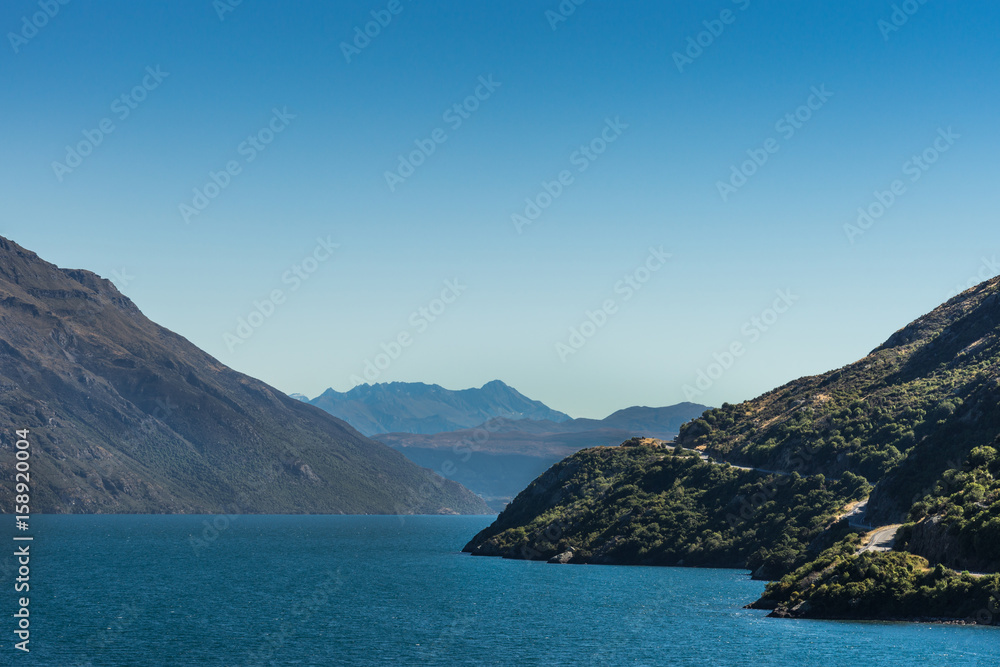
(126, 416)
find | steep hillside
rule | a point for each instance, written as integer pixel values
(415, 407)
(918, 418)
(912, 409)
(843, 584)
(649, 505)
(126, 416)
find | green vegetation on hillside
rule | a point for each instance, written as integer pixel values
(835, 424)
(882, 585)
(918, 418)
(899, 418)
(638, 504)
(958, 522)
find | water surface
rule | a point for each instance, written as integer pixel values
(327, 590)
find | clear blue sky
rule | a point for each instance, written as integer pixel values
(882, 96)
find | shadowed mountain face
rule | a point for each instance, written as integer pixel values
(499, 458)
(414, 407)
(126, 416)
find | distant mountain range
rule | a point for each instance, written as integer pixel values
(415, 407)
(493, 440)
(499, 458)
(124, 416)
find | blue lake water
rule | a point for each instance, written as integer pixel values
(321, 590)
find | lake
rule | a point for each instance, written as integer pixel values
(329, 590)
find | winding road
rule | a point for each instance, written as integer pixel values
(880, 538)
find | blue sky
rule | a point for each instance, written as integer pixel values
(640, 137)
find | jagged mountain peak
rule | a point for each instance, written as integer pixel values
(416, 407)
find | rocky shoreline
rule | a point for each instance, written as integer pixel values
(803, 611)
